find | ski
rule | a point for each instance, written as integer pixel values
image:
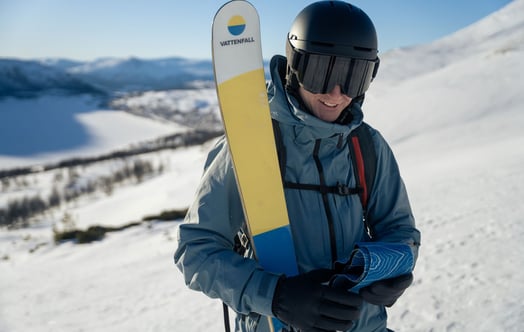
(244, 107)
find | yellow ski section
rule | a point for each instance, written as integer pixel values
(254, 155)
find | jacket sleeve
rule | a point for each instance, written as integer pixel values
(205, 252)
(389, 211)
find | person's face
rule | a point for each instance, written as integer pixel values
(327, 106)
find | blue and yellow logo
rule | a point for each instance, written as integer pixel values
(236, 25)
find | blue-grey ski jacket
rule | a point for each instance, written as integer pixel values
(205, 252)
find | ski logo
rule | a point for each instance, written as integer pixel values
(236, 26)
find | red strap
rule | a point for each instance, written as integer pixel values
(361, 181)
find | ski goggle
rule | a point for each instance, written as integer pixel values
(319, 74)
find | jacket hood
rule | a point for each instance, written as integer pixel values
(286, 109)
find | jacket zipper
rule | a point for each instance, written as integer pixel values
(325, 199)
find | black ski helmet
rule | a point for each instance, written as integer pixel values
(332, 43)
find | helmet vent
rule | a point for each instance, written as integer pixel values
(322, 44)
(364, 49)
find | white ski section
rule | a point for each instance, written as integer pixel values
(228, 44)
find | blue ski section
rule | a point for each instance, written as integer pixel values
(275, 251)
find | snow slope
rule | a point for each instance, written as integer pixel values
(454, 119)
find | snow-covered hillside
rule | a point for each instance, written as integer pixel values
(50, 128)
(452, 110)
(195, 108)
(101, 76)
(133, 74)
(23, 78)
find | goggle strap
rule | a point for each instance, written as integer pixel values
(295, 61)
(375, 69)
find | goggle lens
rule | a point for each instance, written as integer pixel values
(320, 74)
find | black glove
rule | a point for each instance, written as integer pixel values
(305, 303)
(386, 292)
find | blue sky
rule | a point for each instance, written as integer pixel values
(89, 29)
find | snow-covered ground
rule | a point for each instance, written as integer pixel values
(455, 123)
(195, 108)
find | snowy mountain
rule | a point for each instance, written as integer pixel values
(452, 111)
(20, 78)
(498, 33)
(26, 78)
(133, 74)
(107, 75)
(462, 77)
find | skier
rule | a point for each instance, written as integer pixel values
(316, 94)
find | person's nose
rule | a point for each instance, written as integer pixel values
(335, 92)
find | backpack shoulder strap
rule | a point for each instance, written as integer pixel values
(364, 159)
(281, 149)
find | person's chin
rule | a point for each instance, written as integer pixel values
(329, 115)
